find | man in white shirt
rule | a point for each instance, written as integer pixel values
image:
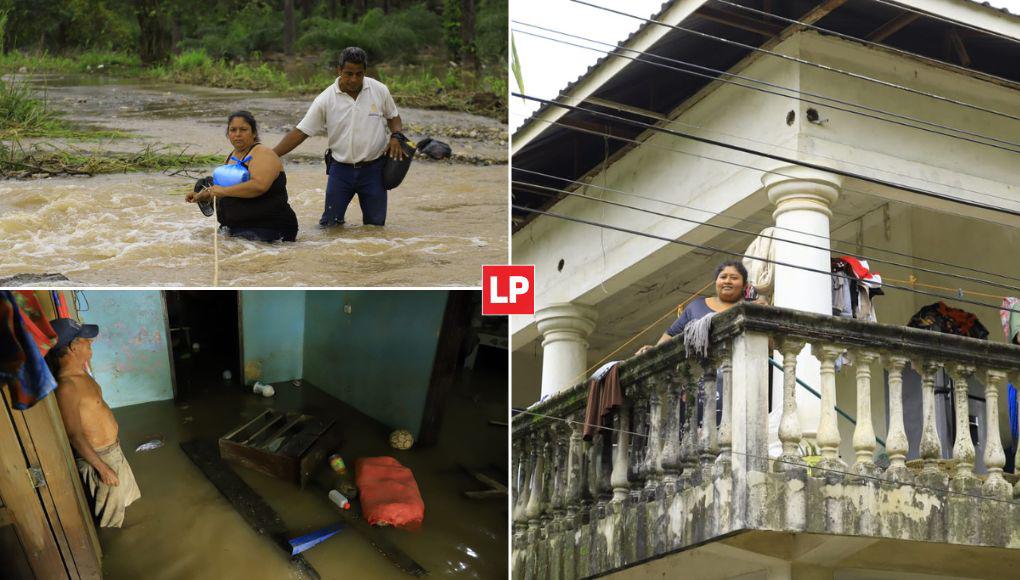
(362, 125)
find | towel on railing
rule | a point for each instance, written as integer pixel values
(696, 335)
(604, 395)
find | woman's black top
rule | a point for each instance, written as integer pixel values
(269, 210)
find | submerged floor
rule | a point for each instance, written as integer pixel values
(183, 528)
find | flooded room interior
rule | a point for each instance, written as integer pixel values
(270, 433)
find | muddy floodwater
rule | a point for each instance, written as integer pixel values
(182, 527)
(135, 229)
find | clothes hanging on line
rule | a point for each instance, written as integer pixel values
(854, 286)
(35, 321)
(604, 395)
(941, 318)
(1010, 315)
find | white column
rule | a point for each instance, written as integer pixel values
(802, 198)
(564, 328)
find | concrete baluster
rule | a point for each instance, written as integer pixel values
(708, 444)
(995, 458)
(653, 450)
(725, 460)
(789, 425)
(670, 428)
(864, 433)
(688, 427)
(621, 457)
(896, 443)
(828, 431)
(963, 479)
(931, 446)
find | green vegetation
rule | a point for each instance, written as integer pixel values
(22, 115)
(18, 161)
(447, 54)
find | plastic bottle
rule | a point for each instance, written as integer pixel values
(337, 463)
(339, 499)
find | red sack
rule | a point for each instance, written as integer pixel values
(388, 493)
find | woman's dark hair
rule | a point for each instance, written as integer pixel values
(248, 118)
(352, 54)
(735, 264)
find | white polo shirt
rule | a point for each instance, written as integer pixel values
(356, 129)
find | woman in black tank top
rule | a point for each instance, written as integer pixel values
(256, 208)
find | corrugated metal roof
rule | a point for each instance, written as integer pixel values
(626, 42)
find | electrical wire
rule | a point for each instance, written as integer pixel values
(847, 474)
(750, 221)
(774, 86)
(804, 61)
(737, 219)
(890, 48)
(742, 255)
(941, 18)
(759, 142)
(761, 235)
(787, 160)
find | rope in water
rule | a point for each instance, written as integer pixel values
(216, 244)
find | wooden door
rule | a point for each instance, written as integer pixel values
(41, 491)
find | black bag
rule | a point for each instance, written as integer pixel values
(394, 170)
(207, 205)
(434, 149)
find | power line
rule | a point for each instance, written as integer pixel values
(761, 235)
(804, 61)
(775, 86)
(873, 43)
(638, 143)
(787, 160)
(941, 18)
(748, 256)
(765, 224)
(846, 474)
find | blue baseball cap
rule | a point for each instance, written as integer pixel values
(68, 329)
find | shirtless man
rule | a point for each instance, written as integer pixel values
(89, 423)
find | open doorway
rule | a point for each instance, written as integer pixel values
(204, 340)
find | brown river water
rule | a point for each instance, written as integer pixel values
(444, 221)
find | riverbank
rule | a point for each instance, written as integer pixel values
(433, 85)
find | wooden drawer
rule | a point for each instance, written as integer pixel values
(287, 446)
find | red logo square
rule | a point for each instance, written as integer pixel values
(508, 290)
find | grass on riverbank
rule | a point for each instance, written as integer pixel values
(17, 161)
(23, 115)
(413, 86)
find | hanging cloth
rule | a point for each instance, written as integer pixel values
(941, 318)
(604, 395)
(761, 274)
(1014, 421)
(1010, 315)
(35, 321)
(61, 305)
(21, 365)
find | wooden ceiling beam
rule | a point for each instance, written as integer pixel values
(958, 47)
(892, 27)
(766, 29)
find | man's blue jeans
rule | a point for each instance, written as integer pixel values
(346, 181)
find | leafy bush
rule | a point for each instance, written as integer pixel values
(491, 32)
(399, 35)
(258, 27)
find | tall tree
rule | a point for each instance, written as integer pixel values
(154, 32)
(288, 26)
(469, 51)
